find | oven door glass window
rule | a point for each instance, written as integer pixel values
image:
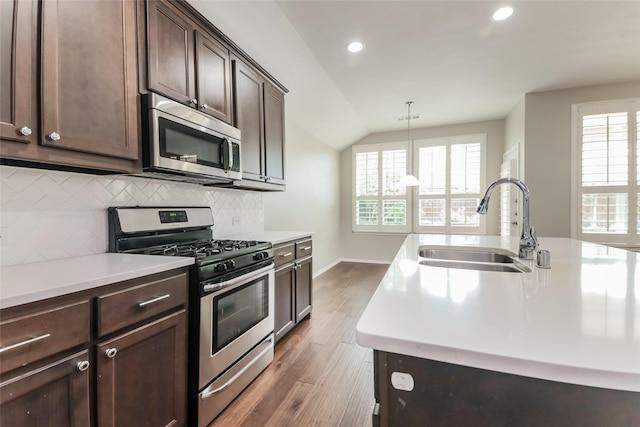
(238, 310)
(179, 142)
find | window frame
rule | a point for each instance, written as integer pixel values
(379, 228)
(448, 196)
(631, 189)
(412, 193)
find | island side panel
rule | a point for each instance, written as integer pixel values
(454, 395)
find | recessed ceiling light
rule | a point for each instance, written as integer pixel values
(502, 13)
(355, 47)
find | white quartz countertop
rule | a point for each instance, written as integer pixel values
(25, 283)
(578, 322)
(273, 236)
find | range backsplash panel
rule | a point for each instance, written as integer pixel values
(49, 215)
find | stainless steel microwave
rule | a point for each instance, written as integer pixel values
(181, 143)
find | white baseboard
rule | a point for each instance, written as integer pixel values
(336, 262)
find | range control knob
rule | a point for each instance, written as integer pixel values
(230, 264)
(261, 255)
(221, 267)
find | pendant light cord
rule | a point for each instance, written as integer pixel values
(409, 180)
(409, 121)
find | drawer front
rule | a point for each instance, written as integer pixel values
(304, 248)
(132, 305)
(32, 337)
(284, 254)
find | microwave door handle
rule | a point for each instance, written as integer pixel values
(225, 154)
(230, 154)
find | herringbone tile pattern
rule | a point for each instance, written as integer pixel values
(48, 215)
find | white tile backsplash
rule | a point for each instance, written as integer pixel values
(48, 215)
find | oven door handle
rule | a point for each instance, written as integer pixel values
(208, 394)
(238, 280)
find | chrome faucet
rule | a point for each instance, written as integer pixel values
(528, 240)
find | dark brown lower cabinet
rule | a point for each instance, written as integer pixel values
(285, 315)
(56, 394)
(141, 375)
(411, 391)
(293, 284)
(113, 356)
(304, 288)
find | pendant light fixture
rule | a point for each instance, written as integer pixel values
(409, 180)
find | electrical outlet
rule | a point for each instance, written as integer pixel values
(235, 220)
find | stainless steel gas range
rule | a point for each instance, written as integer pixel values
(231, 303)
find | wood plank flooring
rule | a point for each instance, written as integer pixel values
(319, 376)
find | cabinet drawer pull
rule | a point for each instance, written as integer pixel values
(286, 255)
(306, 248)
(20, 344)
(25, 130)
(54, 136)
(111, 352)
(151, 301)
(83, 366)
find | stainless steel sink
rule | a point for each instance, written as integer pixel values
(485, 259)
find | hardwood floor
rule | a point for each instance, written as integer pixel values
(319, 376)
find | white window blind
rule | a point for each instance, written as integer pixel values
(608, 173)
(380, 204)
(451, 174)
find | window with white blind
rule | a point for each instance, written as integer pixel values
(451, 173)
(608, 172)
(380, 203)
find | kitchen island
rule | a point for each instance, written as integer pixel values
(552, 346)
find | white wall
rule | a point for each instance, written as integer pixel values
(382, 248)
(514, 133)
(548, 150)
(311, 201)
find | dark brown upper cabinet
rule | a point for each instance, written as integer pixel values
(89, 77)
(186, 64)
(18, 62)
(259, 113)
(214, 77)
(249, 113)
(274, 134)
(82, 79)
(170, 52)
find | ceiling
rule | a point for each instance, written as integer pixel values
(449, 57)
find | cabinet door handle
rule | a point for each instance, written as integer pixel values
(20, 344)
(83, 366)
(151, 301)
(204, 107)
(111, 352)
(193, 102)
(54, 136)
(286, 255)
(25, 130)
